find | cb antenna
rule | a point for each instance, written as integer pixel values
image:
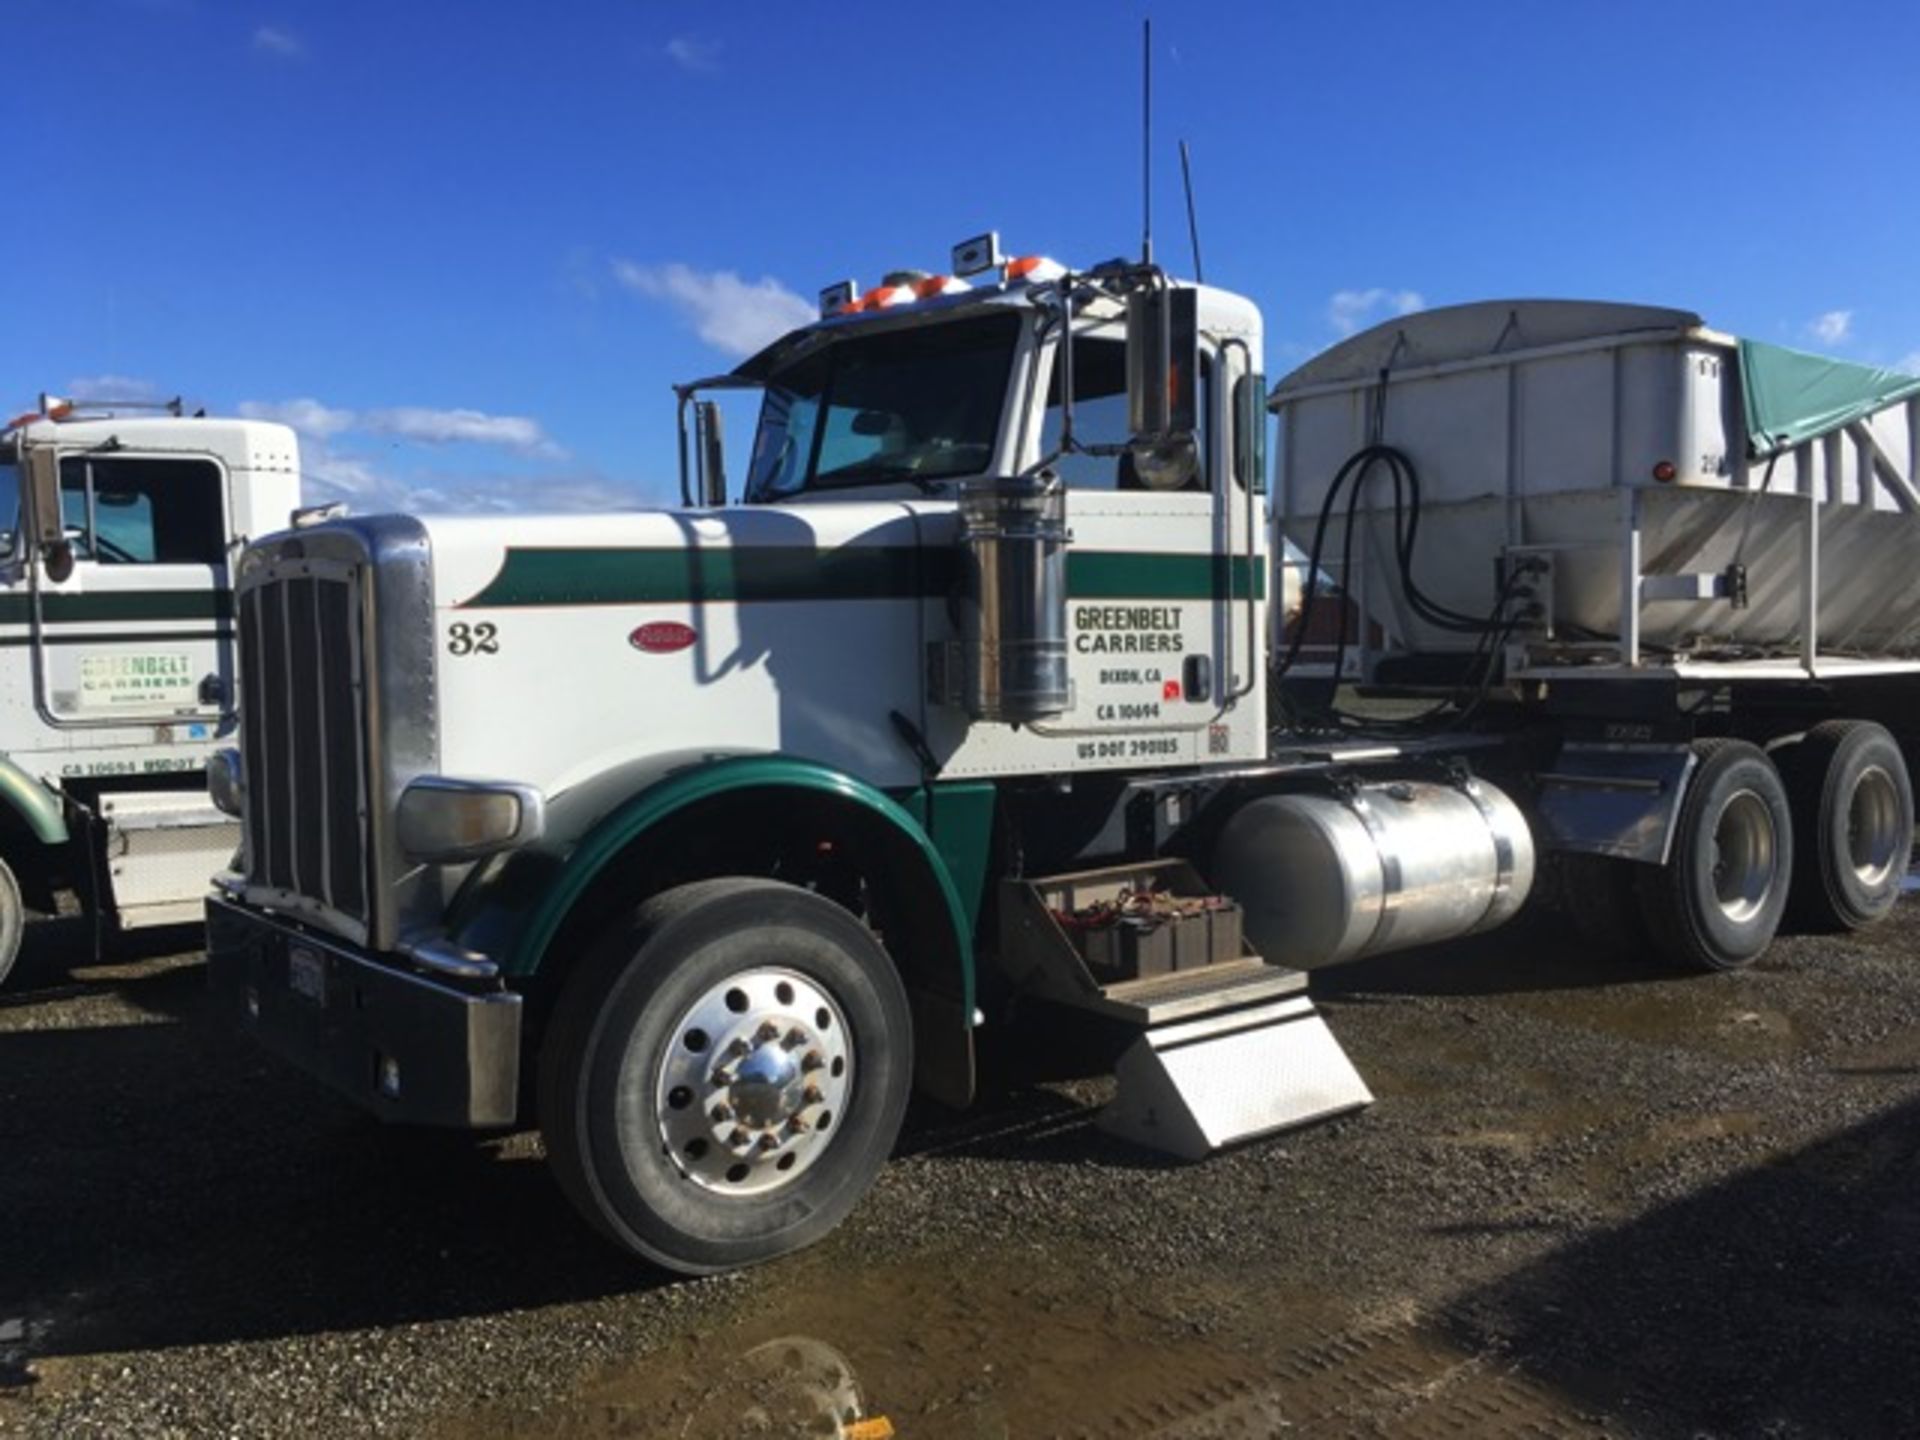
(1193, 224)
(1146, 142)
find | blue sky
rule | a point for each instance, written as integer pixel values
(468, 247)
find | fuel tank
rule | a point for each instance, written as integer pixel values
(1383, 867)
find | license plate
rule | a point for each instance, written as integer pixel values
(307, 974)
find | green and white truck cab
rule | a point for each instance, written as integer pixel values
(117, 532)
(709, 830)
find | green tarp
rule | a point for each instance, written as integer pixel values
(1793, 396)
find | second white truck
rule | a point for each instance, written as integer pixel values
(119, 527)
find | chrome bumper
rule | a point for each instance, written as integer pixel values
(408, 1048)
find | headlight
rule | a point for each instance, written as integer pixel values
(226, 782)
(443, 821)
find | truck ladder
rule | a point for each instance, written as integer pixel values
(1229, 1046)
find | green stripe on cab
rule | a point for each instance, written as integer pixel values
(684, 576)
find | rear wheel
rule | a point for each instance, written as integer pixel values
(1717, 902)
(13, 920)
(1853, 823)
(726, 1074)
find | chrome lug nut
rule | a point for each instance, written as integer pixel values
(769, 1142)
(738, 1138)
(721, 1114)
(811, 1095)
(766, 1034)
(813, 1060)
(738, 1049)
(721, 1078)
(797, 1125)
(794, 1038)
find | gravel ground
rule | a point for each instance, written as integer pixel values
(1591, 1199)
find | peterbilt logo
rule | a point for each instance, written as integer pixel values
(662, 637)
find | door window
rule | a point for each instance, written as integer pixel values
(143, 511)
(1100, 416)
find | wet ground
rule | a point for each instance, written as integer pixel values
(1591, 1199)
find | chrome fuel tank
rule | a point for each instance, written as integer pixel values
(1386, 867)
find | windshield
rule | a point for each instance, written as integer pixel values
(919, 405)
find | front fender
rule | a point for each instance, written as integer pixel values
(513, 909)
(38, 807)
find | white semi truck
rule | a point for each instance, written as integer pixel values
(117, 528)
(705, 834)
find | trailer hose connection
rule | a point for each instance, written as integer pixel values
(1493, 629)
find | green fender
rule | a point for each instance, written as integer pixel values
(37, 806)
(514, 910)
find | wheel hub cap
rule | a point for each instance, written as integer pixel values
(1873, 826)
(754, 1081)
(766, 1088)
(1745, 857)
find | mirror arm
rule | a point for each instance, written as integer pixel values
(685, 396)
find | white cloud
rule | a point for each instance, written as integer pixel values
(730, 314)
(1348, 310)
(111, 387)
(418, 423)
(327, 475)
(309, 417)
(335, 464)
(275, 41)
(690, 52)
(1833, 328)
(462, 427)
(372, 486)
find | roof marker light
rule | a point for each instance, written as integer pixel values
(940, 285)
(1033, 270)
(978, 255)
(838, 298)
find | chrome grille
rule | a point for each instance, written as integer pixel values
(304, 741)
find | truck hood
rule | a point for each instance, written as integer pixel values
(560, 559)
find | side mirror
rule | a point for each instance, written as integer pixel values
(45, 523)
(710, 433)
(1163, 363)
(1163, 382)
(1250, 432)
(43, 496)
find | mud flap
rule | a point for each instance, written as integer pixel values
(1192, 1087)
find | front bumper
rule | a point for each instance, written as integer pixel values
(408, 1048)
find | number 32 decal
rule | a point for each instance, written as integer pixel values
(465, 639)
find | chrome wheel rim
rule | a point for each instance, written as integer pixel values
(1873, 826)
(1745, 857)
(754, 1082)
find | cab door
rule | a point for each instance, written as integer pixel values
(140, 632)
(1165, 585)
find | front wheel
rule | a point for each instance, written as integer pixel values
(13, 920)
(1717, 902)
(726, 1074)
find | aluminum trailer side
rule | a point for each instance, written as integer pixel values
(1616, 446)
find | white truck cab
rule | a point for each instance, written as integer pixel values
(118, 528)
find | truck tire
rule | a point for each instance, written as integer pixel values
(726, 1074)
(1717, 902)
(13, 920)
(1852, 823)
